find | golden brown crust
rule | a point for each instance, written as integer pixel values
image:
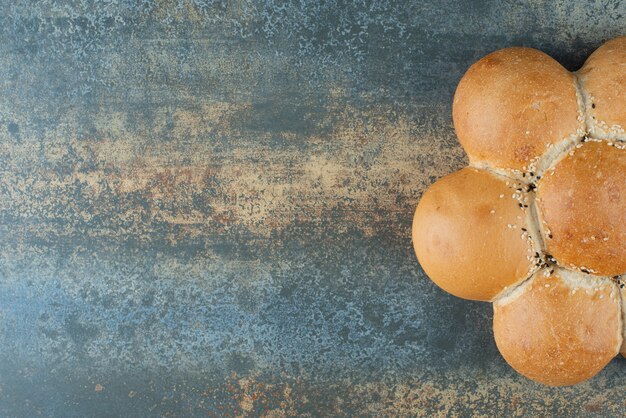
(516, 112)
(582, 203)
(604, 79)
(468, 234)
(559, 332)
(512, 104)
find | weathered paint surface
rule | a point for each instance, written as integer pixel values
(205, 207)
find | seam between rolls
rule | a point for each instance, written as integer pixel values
(509, 291)
(583, 102)
(498, 172)
(534, 232)
(592, 127)
(565, 146)
(549, 163)
(534, 223)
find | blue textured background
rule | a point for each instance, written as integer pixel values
(205, 207)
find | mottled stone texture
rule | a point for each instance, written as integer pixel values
(205, 207)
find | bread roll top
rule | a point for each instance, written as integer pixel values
(471, 234)
(582, 207)
(512, 105)
(559, 329)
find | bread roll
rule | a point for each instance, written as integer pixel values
(557, 143)
(582, 204)
(471, 236)
(603, 78)
(560, 329)
(512, 105)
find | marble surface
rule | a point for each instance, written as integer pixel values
(205, 208)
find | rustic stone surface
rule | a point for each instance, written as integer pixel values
(205, 207)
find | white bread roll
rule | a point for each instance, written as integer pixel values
(582, 205)
(471, 235)
(559, 329)
(558, 137)
(511, 105)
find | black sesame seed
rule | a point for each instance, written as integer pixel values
(585, 271)
(593, 105)
(524, 229)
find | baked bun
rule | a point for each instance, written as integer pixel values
(471, 235)
(537, 223)
(559, 329)
(582, 204)
(512, 105)
(603, 77)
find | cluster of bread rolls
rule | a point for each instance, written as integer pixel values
(537, 223)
